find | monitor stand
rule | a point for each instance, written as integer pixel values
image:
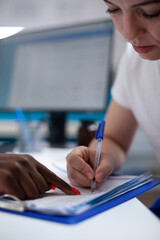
(57, 129)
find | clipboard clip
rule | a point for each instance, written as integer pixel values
(10, 202)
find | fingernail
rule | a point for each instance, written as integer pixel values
(53, 187)
(100, 177)
(76, 191)
(89, 175)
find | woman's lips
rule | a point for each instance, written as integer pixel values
(143, 49)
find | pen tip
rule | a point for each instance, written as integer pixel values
(93, 185)
(92, 189)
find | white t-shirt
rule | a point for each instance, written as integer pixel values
(137, 87)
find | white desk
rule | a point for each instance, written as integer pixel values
(130, 220)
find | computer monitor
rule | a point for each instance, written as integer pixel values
(57, 70)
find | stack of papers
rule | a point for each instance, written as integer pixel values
(55, 202)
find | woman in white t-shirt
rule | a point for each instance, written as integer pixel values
(136, 93)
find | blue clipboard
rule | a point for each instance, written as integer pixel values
(91, 212)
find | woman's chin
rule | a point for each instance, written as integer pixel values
(150, 57)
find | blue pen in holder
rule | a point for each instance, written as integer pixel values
(25, 143)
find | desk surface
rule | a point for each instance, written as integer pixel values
(130, 220)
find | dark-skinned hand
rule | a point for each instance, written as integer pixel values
(24, 177)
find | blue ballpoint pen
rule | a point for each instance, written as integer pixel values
(99, 137)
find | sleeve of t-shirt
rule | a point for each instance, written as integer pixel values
(119, 89)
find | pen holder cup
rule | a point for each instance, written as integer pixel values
(32, 141)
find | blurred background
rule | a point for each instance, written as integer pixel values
(58, 61)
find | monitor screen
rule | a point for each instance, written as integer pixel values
(60, 69)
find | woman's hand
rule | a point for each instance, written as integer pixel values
(26, 178)
(80, 167)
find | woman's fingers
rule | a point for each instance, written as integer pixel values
(104, 168)
(78, 179)
(79, 169)
(80, 164)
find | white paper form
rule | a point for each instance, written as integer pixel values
(56, 202)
